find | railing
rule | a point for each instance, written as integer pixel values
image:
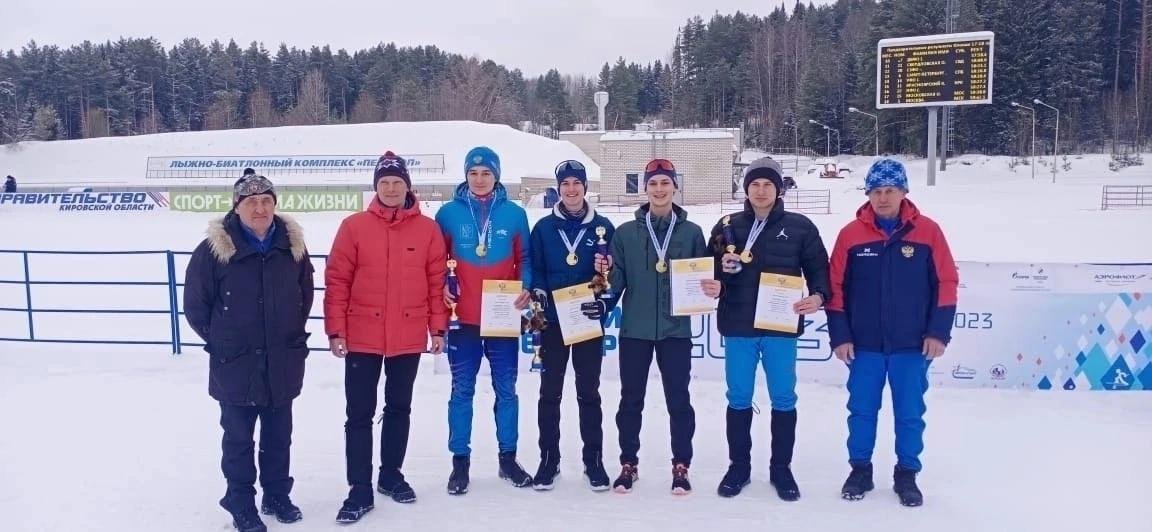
(803, 201)
(1125, 197)
(49, 300)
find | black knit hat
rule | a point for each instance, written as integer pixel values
(391, 164)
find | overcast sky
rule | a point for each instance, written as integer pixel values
(534, 35)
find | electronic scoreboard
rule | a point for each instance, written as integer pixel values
(934, 70)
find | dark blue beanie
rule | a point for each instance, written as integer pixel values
(572, 168)
(482, 156)
(661, 167)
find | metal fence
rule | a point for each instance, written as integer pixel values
(37, 306)
(1125, 197)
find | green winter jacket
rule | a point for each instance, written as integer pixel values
(646, 309)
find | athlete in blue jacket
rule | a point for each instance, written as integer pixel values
(894, 286)
(563, 253)
(487, 235)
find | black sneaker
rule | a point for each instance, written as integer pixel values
(458, 480)
(512, 471)
(781, 478)
(400, 492)
(904, 484)
(859, 482)
(546, 474)
(248, 521)
(596, 476)
(734, 481)
(629, 474)
(353, 511)
(680, 484)
(281, 507)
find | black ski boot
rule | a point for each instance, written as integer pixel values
(739, 475)
(511, 470)
(904, 484)
(780, 465)
(859, 482)
(546, 474)
(458, 480)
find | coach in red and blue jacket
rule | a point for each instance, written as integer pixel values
(893, 301)
(488, 237)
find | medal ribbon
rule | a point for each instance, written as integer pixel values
(485, 235)
(660, 250)
(757, 228)
(569, 244)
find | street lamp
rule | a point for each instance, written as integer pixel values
(875, 125)
(1033, 111)
(795, 142)
(1055, 143)
(828, 130)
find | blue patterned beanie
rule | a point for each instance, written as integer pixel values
(886, 173)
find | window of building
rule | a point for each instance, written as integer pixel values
(631, 183)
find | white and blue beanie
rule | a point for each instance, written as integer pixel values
(886, 173)
(482, 156)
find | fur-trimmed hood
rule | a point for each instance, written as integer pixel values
(223, 245)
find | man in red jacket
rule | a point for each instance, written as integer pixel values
(384, 297)
(893, 301)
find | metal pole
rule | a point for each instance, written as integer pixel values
(932, 112)
(947, 112)
(827, 142)
(876, 126)
(1055, 145)
(1033, 144)
(1056, 142)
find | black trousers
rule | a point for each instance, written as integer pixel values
(361, 380)
(674, 358)
(239, 458)
(587, 358)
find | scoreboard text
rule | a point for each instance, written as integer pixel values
(934, 70)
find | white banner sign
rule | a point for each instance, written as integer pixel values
(232, 167)
(1021, 326)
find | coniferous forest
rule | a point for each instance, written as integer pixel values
(1092, 59)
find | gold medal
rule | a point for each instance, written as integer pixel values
(572, 259)
(481, 250)
(746, 256)
(661, 266)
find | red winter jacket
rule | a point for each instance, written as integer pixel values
(384, 281)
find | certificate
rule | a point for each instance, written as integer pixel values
(688, 297)
(774, 302)
(574, 325)
(498, 314)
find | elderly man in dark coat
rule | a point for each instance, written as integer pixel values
(248, 292)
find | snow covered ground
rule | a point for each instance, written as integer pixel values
(122, 439)
(126, 439)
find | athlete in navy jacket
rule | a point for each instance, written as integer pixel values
(893, 301)
(564, 244)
